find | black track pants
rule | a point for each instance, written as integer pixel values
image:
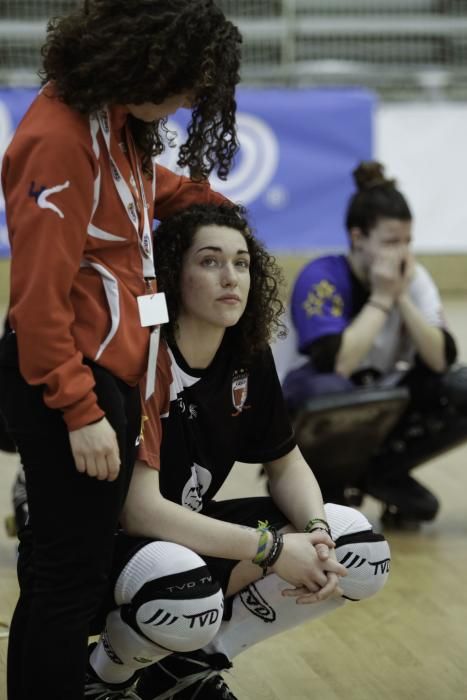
(65, 555)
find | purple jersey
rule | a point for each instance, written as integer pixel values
(326, 298)
(322, 301)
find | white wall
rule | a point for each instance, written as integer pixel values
(424, 146)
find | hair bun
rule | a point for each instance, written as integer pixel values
(369, 174)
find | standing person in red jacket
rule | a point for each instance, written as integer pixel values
(81, 191)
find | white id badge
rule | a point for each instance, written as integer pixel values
(152, 362)
(153, 309)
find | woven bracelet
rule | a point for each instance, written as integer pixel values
(263, 529)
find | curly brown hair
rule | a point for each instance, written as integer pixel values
(261, 320)
(110, 52)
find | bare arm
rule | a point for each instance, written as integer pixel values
(428, 340)
(294, 489)
(358, 338)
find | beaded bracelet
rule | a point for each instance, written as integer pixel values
(318, 524)
(274, 552)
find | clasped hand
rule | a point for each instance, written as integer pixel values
(309, 563)
(391, 273)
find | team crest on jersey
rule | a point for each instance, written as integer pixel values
(239, 390)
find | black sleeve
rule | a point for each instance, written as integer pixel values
(450, 348)
(268, 432)
(323, 352)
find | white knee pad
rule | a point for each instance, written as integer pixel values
(168, 596)
(365, 554)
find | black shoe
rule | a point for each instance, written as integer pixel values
(393, 519)
(194, 676)
(346, 496)
(404, 496)
(353, 496)
(97, 690)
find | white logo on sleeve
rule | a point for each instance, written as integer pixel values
(42, 199)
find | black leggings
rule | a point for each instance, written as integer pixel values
(434, 422)
(65, 555)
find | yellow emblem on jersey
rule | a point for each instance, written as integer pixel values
(323, 296)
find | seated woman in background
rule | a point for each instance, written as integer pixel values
(357, 316)
(183, 552)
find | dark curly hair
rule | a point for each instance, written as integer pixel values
(261, 320)
(377, 197)
(111, 52)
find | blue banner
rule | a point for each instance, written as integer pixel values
(293, 170)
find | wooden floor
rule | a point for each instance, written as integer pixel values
(408, 643)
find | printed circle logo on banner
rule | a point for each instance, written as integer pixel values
(256, 162)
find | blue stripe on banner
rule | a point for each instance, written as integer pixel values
(293, 170)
